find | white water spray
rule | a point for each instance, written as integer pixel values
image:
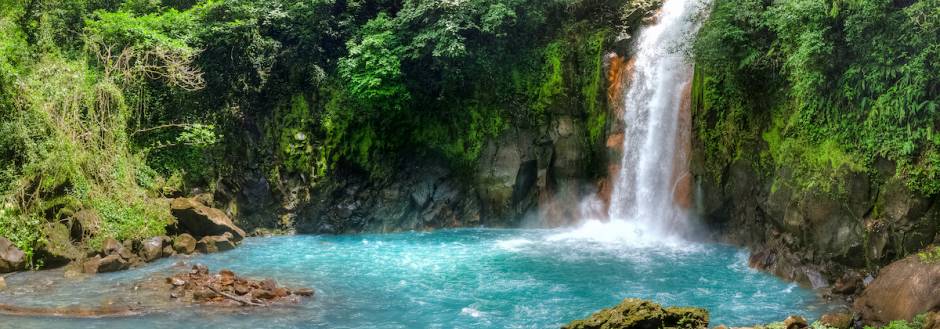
(642, 208)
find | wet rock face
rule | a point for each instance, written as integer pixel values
(200, 220)
(901, 291)
(11, 258)
(227, 289)
(523, 173)
(640, 314)
(420, 196)
(814, 234)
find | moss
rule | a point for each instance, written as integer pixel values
(636, 314)
(930, 255)
(553, 81)
(294, 137)
(592, 85)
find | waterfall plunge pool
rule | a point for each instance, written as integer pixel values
(465, 278)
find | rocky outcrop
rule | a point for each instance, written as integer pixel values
(227, 289)
(814, 234)
(901, 291)
(640, 314)
(11, 258)
(199, 220)
(521, 174)
(115, 256)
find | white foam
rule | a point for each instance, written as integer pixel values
(621, 234)
(472, 312)
(512, 244)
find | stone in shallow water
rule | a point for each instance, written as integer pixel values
(3, 283)
(212, 244)
(226, 288)
(641, 314)
(152, 249)
(184, 244)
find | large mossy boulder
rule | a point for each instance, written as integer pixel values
(197, 219)
(641, 314)
(11, 258)
(902, 290)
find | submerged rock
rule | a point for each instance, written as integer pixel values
(11, 258)
(902, 290)
(641, 314)
(228, 289)
(199, 220)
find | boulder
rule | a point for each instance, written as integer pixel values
(112, 263)
(837, 320)
(111, 247)
(168, 250)
(902, 290)
(848, 284)
(90, 265)
(211, 244)
(11, 258)
(199, 220)
(641, 314)
(795, 322)
(184, 244)
(3, 283)
(152, 249)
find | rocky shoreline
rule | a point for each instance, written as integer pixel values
(197, 228)
(642, 314)
(899, 291)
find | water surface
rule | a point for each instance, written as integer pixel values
(469, 278)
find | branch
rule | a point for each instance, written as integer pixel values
(243, 301)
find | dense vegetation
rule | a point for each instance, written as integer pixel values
(109, 106)
(822, 87)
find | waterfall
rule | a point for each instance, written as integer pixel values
(644, 206)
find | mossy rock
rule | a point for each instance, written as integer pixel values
(642, 314)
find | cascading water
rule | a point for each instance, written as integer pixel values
(643, 207)
(644, 187)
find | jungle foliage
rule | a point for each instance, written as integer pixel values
(824, 85)
(109, 106)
